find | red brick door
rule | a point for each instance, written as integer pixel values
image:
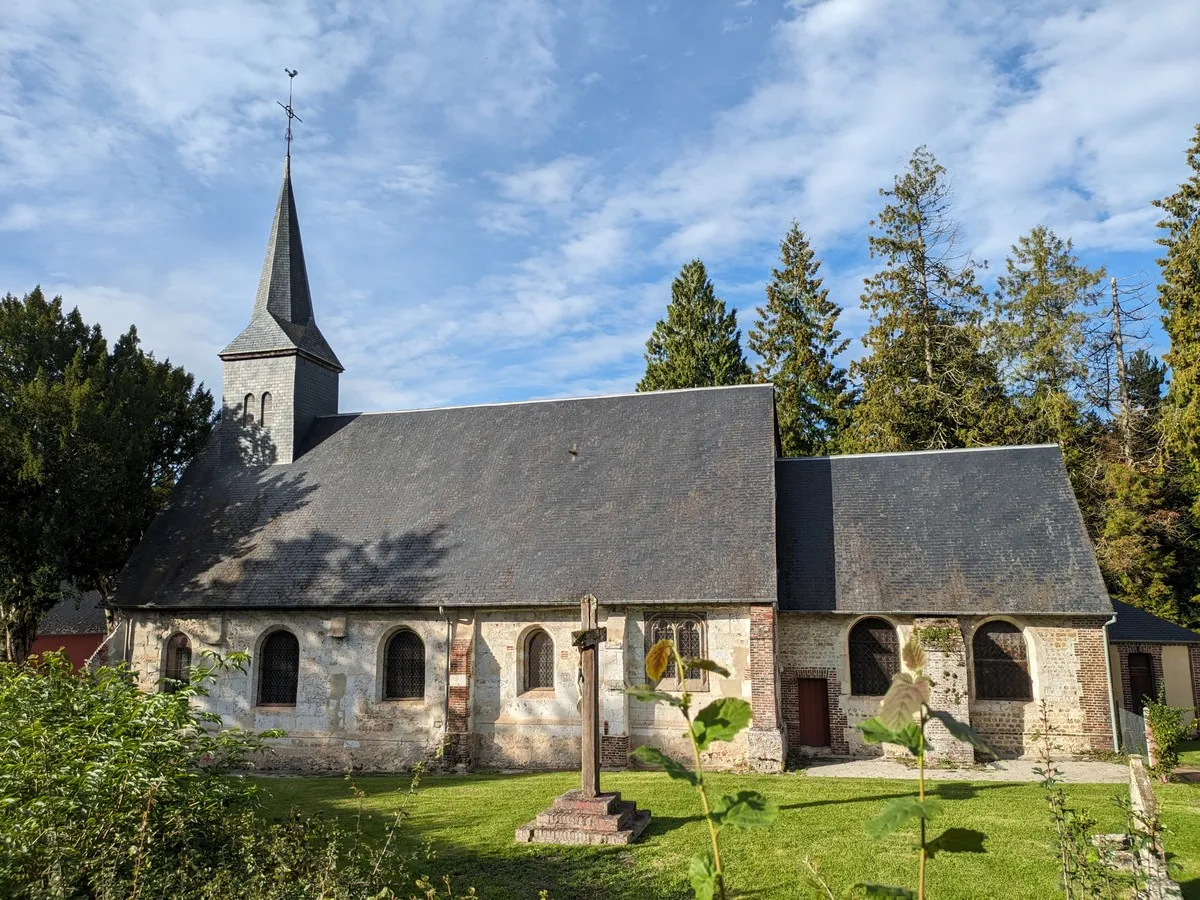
(814, 712)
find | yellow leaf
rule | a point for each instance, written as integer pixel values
(658, 659)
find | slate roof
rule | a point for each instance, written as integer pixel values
(85, 616)
(283, 320)
(1136, 626)
(957, 532)
(645, 498)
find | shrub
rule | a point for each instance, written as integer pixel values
(1167, 731)
(107, 792)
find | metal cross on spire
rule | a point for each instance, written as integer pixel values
(291, 114)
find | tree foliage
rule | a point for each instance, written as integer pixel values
(91, 440)
(1041, 311)
(797, 337)
(1179, 296)
(698, 344)
(927, 380)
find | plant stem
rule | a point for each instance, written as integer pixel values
(712, 828)
(921, 797)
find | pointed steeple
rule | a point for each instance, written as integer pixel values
(282, 321)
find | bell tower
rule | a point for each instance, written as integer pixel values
(280, 372)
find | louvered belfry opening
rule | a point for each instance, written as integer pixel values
(874, 657)
(177, 662)
(278, 669)
(1001, 663)
(539, 661)
(687, 633)
(404, 673)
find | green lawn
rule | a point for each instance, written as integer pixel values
(470, 820)
(1189, 753)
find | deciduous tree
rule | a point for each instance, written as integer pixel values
(91, 441)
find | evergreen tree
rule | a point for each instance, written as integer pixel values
(91, 441)
(927, 381)
(797, 337)
(1179, 296)
(1040, 329)
(698, 344)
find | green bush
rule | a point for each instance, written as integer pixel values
(1168, 731)
(107, 792)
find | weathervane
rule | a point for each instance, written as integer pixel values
(291, 114)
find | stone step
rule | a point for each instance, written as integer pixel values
(568, 835)
(574, 802)
(619, 818)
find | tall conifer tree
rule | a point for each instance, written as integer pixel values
(797, 337)
(1179, 295)
(698, 344)
(1041, 315)
(927, 381)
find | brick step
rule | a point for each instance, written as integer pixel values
(574, 802)
(619, 818)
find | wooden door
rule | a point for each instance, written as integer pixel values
(814, 712)
(1141, 680)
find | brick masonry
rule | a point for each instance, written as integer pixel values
(1154, 651)
(1094, 687)
(790, 679)
(614, 751)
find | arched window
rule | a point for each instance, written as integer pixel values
(874, 657)
(539, 661)
(278, 667)
(687, 633)
(1001, 663)
(404, 667)
(176, 660)
(248, 410)
(265, 418)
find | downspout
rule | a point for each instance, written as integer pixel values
(446, 709)
(1112, 701)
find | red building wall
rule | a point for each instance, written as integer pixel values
(78, 647)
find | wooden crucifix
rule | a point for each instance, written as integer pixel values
(588, 640)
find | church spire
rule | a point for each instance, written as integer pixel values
(282, 321)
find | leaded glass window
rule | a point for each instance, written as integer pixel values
(874, 657)
(1001, 663)
(539, 661)
(687, 633)
(279, 666)
(176, 661)
(404, 668)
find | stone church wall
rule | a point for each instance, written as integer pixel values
(1066, 657)
(477, 703)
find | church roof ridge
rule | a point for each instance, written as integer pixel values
(909, 453)
(619, 396)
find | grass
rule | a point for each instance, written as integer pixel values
(1189, 753)
(471, 819)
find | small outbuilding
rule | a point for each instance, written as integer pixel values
(1146, 653)
(76, 626)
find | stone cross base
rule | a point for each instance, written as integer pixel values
(576, 819)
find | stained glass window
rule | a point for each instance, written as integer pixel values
(404, 670)
(539, 661)
(1001, 663)
(874, 657)
(176, 662)
(279, 667)
(687, 633)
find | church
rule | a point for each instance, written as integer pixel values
(406, 583)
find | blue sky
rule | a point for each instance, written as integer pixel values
(495, 196)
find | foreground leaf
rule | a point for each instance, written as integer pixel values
(746, 809)
(957, 840)
(658, 659)
(904, 699)
(909, 737)
(899, 812)
(913, 653)
(963, 732)
(707, 665)
(674, 768)
(647, 694)
(702, 872)
(885, 890)
(721, 720)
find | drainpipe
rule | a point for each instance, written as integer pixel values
(1112, 701)
(446, 710)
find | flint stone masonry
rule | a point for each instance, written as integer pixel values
(946, 665)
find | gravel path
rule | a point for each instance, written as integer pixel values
(1078, 772)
